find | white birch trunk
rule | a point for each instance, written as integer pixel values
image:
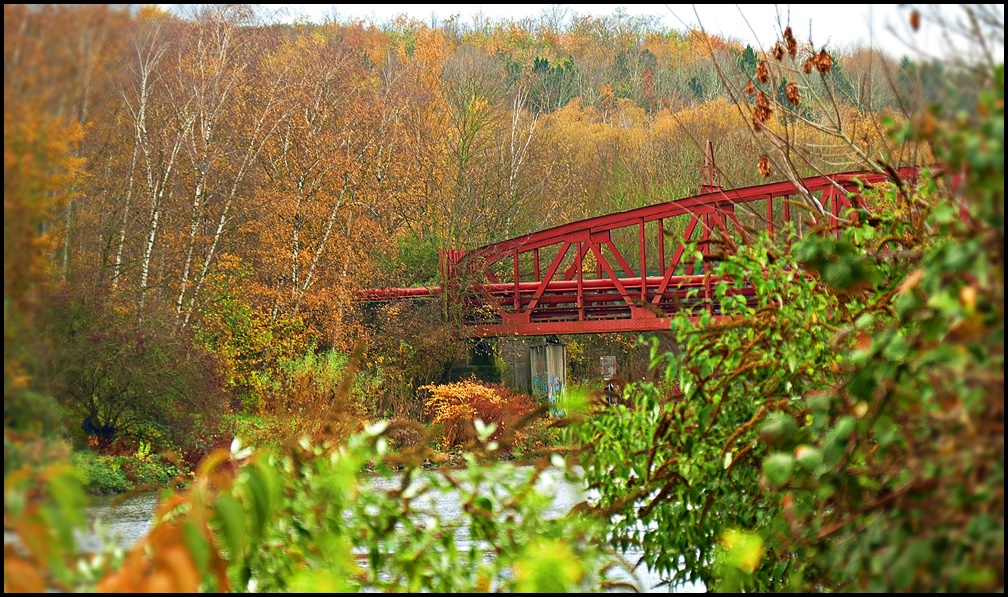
(158, 183)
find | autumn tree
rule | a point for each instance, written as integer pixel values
(121, 383)
(232, 122)
(41, 167)
(315, 220)
(97, 230)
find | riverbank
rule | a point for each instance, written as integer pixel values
(136, 466)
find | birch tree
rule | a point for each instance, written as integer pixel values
(160, 129)
(318, 170)
(232, 121)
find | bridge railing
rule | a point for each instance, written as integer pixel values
(630, 270)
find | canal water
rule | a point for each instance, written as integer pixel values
(129, 520)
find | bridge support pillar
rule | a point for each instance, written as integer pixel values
(514, 352)
(548, 369)
(536, 366)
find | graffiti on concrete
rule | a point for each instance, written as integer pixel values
(540, 385)
(551, 388)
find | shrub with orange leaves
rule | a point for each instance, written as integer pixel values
(455, 407)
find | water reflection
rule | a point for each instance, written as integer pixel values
(125, 521)
(128, 521)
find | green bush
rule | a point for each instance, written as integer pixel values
(146, 472)
(251, 347)
(103, 475)
(120, 379)
(255, 430)
(106, 474)
(845, 432)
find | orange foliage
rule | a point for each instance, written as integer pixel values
(457, 405)
(668, 49)
(162, 561)
(40, 164)
(703, 40)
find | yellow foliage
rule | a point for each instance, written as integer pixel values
(40, 169)
(431, 54)
(629, 115)
(457, 405)
(669, 49)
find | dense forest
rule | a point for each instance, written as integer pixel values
(192, 202)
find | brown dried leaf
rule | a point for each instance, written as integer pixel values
(764, 166)
(967, 330)
(792, 93)
(926, 124)
(910, 282)
(864, 340)
(35, 534)
(915, 20)
(763, 111)
(160, 581)
(824, 62)
(178, 566)
(20, 576)
(792, 43)
(763, 72)
(750, 89)
(130, 575)
(778, 51)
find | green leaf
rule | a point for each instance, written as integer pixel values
(862, 385)
(945, 213)
(809, 458)
(232, 518)
(839, 274)
(197, 545)
(778, 428)
(777, 468)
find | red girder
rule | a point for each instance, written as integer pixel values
(596, 283)
(703, 203)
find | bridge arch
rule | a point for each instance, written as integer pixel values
(629, 271)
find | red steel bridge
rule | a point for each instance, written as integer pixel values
(631, 270)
